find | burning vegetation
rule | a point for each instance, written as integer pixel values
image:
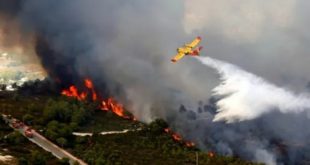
(177, 137)
(109, 104)
(63, 115)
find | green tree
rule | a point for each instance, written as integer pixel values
(64, 161)
(100, 161)
(157, 127)
(79, 116)
(27, 118)
(22, 161)
(53, 125)
(15, 138)
(49, 112)
(37, 158)
(73, 126)
(64, 130)
(33, 108)
(52, 130)
(81, 139)
(61, 141)
(65, 112)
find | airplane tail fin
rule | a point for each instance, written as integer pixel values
(196, 52)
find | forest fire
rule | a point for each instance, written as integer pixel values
(178, 138)
(211, 154)
(116, 107)
(189, 144)
(106, 105)
(111, 104)
(89, 85)
(73, 92)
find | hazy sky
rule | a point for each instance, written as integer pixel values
(268, 38)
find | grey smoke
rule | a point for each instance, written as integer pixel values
(123, 43)
(130, 43)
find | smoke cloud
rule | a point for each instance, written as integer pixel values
(247, 96)
(126, 46)
(19, 61)
(15, 40)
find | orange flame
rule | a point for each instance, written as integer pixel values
(111, 104)
(94, 96)
(88, 83)
(177, 137)
(190, 144)
(117, 108)
(106, 105)
(73, 92)
(211, 154)
(83, 96)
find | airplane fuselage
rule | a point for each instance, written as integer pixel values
(186, 50)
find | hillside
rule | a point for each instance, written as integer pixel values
(56, 117)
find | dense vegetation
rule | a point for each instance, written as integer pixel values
(13, 143)
(56, 117)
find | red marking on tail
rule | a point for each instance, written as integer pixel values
(196, 51)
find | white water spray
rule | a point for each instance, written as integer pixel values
(247, 96)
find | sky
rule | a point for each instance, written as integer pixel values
(267, 38)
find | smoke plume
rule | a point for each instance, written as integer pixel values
(247, 96)
(125, 48)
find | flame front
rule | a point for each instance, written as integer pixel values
(211, 154)
(89, 84)
(73, 92)
(115, 107)
(112, 105)
(106, 105)
(177, 137)
(190, 144)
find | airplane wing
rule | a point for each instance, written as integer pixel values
(195, 42)
(177, 57)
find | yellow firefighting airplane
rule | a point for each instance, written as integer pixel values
(187, 49)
